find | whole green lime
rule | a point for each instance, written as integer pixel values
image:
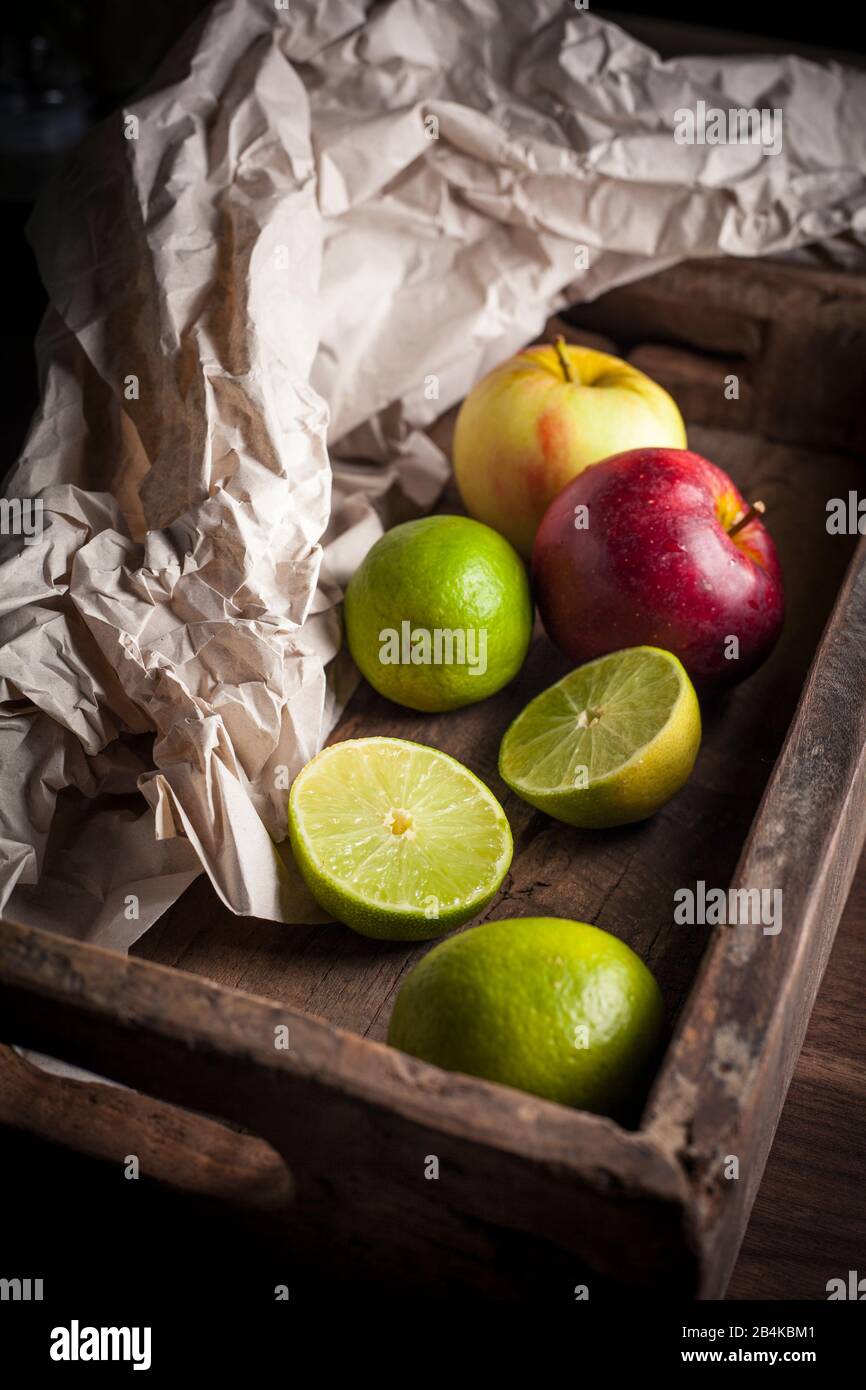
(439, 613)
(558, 1008)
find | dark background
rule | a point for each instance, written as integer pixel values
(63, 65)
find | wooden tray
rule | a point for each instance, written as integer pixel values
(533, 1199)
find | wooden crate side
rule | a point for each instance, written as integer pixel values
(795, 338)
(723, 1083)
(357, 1122)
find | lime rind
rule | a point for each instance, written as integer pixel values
(557, 1008)
(396, 839)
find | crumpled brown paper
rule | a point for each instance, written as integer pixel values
(320, 228)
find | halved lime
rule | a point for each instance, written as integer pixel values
(397, 840)
(608, 744)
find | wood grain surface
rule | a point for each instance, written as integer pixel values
(185, 1151)
(809, 1220)
(530, 1191)
(808, 1224)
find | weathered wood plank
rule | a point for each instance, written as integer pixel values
(356, 1122)
(796, 337)
(808, 1224)
(722, 1086)
(174, 1147)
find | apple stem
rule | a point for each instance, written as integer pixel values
(755, 509)
(559, 344)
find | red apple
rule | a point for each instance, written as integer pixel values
(657, 547)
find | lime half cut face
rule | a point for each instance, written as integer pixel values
(608, 744)
(397, 840)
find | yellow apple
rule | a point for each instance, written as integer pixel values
(535, 422)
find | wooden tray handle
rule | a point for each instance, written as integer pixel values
(174, 1147)
(355, 1121)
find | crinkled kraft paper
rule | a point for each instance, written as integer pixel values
(315, 214)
